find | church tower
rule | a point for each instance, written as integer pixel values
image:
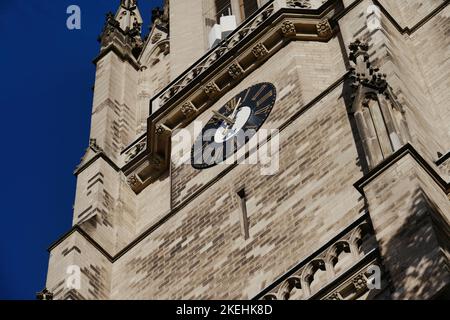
(265, 149)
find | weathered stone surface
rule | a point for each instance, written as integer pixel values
(181, 236)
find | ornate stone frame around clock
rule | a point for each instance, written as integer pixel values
(271, 28)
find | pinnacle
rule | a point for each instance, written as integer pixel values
(128, 15)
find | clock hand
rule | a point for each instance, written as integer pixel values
(233, 115)
(235, 108)
(224, 118)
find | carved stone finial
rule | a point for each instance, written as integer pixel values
(128, 15)
(160, 17)
(362, 71)
(358, 48)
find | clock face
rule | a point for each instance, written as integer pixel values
(233, 125)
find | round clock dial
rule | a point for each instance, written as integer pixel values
(233, 125)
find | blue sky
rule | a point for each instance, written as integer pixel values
(45, 100)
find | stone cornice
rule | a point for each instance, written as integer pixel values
(85, 235)
(407, 149)
(100, 155)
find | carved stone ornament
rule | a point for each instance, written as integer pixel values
(188, 109)
(325, 260)
(288, 28)
(211, 89)
(133, 181)
(135, 150)
(360, 282)
(235, 70)
(161, 129)
(259, 50)
(324, 28)
(363, 72)
(299, 4)
(227, 45)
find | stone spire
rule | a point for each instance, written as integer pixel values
(128, 15)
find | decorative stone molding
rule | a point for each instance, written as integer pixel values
(133, 181)
(360, 282)
(162, 129)
(211, 90)
(235, 70)
(225, 46)
(188, 109)
(324, 28)
(356, 286)
(259, 50)
(288, 28)
(348, 246)
(135, 150)
(299, 4)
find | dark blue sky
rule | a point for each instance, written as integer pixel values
(45, 100)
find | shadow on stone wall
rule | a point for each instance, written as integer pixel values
(415, 255)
